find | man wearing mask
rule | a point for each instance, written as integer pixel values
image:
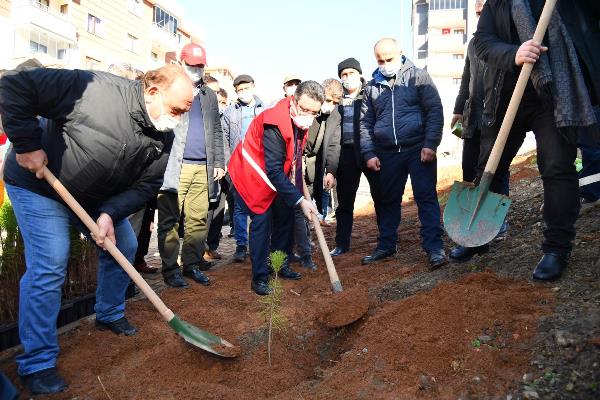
(351, 165)
(236, 120)
(290, 83)
(222, 98)
(191, 180)
(401, 127)
(108, 140)
(266, 170)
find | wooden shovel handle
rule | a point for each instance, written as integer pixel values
(333, 276)
(517, 95)
(166, 313)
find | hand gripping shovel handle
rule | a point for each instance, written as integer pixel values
(333, 276)
(515, 100)
(166, 313)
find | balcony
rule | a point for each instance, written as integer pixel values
(447, 19)
(451, 43)
(444, 66)
(31, 12)
(162, 39)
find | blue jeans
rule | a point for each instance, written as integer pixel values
(395, 169)
(240, 223)
(44, 224)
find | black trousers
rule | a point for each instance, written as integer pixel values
(145, 232)
(470, 160)
(348, 179)
(555, 158)
(216, 216)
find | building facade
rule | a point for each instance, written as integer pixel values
(93, 34)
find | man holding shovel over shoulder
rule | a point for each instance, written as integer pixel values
(558, 103)
(108, 140)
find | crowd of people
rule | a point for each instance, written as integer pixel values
(127, 144)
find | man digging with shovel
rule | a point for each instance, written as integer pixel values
(107, 139)
(557, 105)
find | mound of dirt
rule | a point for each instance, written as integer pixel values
(344, 308)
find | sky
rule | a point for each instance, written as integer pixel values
(269, 39)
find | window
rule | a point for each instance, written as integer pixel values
(445, 31)
(92, 63)
(62, 54)
(447, 4)
(94, 25)
(41, 4)
(154, 57)
(458, 56)
(135, 7)
(165, 20)
(36, 47)
(64, 9)
(421, 54)
(459, 31)
(456, 81)
(131, 43)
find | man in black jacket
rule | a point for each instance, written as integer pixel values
(351, 165)
(558, 104)
(107, 139)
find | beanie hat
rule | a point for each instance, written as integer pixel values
(349, 63)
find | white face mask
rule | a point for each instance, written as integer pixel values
(352, 82)
(195, 73)
(290, 90)
(246, 97)
(303, 121)
(327, 108)
(165, 122)
(221, 109)
(390, 69)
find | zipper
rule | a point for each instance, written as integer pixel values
(116, 164)
(394, 118)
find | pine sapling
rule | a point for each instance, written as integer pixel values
(272, 303)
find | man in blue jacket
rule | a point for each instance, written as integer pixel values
(400, 128)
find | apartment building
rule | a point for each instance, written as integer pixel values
(93, 34)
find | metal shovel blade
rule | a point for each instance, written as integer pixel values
(470, 224)
(203, 339)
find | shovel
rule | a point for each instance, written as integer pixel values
(473, 215)
(197, 337)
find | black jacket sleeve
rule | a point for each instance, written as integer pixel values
(275, 155)
(433, 114)
(219, 156)
(489, 47)
(333, 132)
(46, 92)
(463, 92)
(143, 190)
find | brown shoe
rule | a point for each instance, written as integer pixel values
(145, 268)
(212, 255)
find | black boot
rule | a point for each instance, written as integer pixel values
(437, 258)
(550, 267)
(338, 251)
(378, 255)
(176, 280)
(308, 263)
(46, 381)
(120, 327)
(197, 275)
(286, 272)
(461, 254)
(240, 254)
(261, 288)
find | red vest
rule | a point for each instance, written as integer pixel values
(247, 163)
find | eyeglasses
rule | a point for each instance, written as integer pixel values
(304, 111)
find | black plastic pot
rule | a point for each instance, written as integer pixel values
(71, 311)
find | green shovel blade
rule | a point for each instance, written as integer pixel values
(202, 339)
(466, 228)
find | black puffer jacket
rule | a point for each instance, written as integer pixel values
(469, 102)
(99, 139)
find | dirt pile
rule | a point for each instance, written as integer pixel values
(341, 309)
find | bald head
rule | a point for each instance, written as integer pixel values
(387, 53)
(168, 90)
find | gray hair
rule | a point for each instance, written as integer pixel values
(312, 89)
(124, 70)
(333, 87)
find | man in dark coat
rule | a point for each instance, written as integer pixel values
(108, 140)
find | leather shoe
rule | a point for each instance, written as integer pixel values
(204, 265)
(378, 255)
(197, 276)
(240, 254)
(550, 267)
(437, 258)
(212, 255)
(120, 327)
(461, 254)
(145, 268)
(338, 251)
(176, 280)
(286, 272)
(308, 263)
(261, 288)
(46, 381)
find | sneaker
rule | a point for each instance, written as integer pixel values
(240, 254)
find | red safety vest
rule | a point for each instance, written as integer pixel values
(247, 163)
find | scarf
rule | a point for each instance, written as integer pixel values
(557, 74)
